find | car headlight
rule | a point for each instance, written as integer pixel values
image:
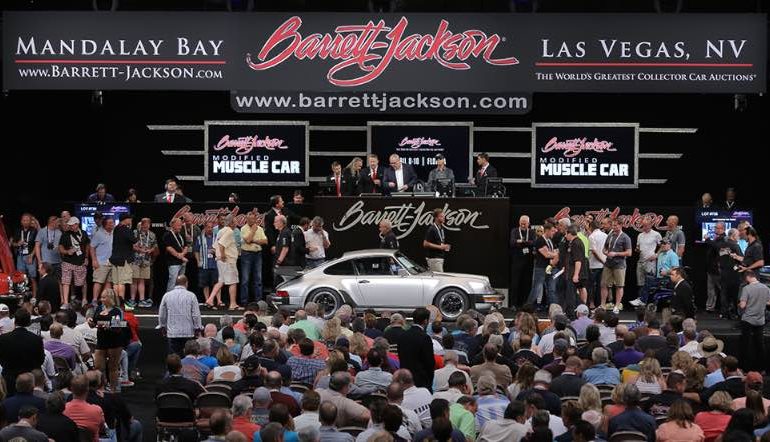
(477, 286)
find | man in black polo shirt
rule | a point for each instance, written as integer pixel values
(729, 278)
(282, 256)
(73, 249)
(388, 239)
(577, 270)
(176, 251)
(753, 258)
(123, 241)
(435, 242)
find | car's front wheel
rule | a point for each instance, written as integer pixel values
(328, 300)
(452, 302)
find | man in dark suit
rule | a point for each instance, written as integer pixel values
(415, 350)
(20, 350)
(48, 289)
(399, 177)
(485, 171)
(175, 382)
(569, 382)
(337, 182)
(729, 204)
(683, 301)
(371, 176)
(170, 195)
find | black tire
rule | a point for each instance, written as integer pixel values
(452, 302)
(328, 300)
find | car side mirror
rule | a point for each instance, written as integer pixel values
(403, 272)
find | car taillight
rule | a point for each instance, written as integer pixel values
(282, 294)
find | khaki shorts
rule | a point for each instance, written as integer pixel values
(141, 272)
(103, 273)
(613, 277)
(228, 273)
(122, 274)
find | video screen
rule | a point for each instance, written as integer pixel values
(86, 212)
(707, 220)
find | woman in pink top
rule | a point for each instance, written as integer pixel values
(714, 422)
(680, 426)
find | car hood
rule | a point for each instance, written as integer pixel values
(480, 278)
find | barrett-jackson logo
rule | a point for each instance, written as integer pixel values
(575, 146)
(406, 217)
(212, 215)
(417, 142)
(633, 220)
(245, 145)
(358, 47)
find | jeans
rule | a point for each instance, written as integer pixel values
(133, 351)
(174, 271)
(123, 376)
(251, 276)
(313, 263)
(753, 347)
(540, 279)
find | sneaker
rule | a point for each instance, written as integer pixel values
(130, 304)
(126, 383)
(147, 303)
(636, 302)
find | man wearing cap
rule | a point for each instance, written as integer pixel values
(260, 414)
(47, 246)
(583, 321)
(440, 173)
(6, 323)
(666, 261)
(123, 241)
(754, 381)
(755, 297)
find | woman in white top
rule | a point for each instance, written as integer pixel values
(227, 370)
(650, 378)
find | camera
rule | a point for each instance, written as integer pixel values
(50, 246)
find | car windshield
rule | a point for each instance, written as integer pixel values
(411, 266)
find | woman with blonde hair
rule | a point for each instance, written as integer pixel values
(680, 425)
(590, 399)
(359, 346)
(332, 329)
(352, 175)
(110, 337)
(226, 369)
(650, 378)
(714, 422)
(528, 326)
(682, 361)
(525, 379)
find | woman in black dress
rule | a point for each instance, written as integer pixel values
(352, 174)
(110, 337)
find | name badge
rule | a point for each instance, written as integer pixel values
(78, 253)
(525, 251)
(25, 250)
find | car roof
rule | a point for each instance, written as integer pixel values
(368, 252)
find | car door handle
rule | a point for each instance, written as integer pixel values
(363, 281)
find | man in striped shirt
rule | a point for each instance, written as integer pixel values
(179, 316)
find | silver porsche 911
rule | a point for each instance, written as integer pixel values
(382, 279)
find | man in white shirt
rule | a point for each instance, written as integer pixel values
(6, 323)
(457, 388)
(316, 243)
(647, 246)
(416, 398)
(442, 375)
(596, 259)
(399, 177)
(511, 428)
(412, 423)
(226, 256)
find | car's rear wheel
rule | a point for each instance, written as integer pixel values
(452, 302)
(328, 300)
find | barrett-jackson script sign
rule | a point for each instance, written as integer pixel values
(283, 54)
(252, 153)
(477, 229)
(585, 155)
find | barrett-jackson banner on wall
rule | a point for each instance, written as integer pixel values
(256, 153)
(418, 143)
(282, 54)
(477, 229)
(597, 155)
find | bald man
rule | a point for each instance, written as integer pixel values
(522, 240)
(399, 177)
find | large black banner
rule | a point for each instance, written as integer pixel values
(597, 155)
(477, 229)
(256, 153)
(418, 143)
(281, 54)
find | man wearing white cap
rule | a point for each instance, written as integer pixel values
(73, 249)
(6, 323)
(583, 321)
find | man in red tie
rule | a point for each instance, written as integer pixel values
(169, 196)
(371, 176)
(337, 180)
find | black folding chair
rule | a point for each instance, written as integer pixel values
(353, 431)
(175, 414)
(206, 404)
(628, 436)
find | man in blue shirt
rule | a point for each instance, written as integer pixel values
(204, 256)
(633, 419)
(667, 260)
(601, 373)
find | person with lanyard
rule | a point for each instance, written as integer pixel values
(141, 268)
(435, 242)
(298, 244)
(522, 240)
(101, 249)
(123, 241)
(576, 271)
(204, 255)
(282, 255)
(388, 239)
(47, 247)
(755, 298)
(25, 250)
(176, 252)
(729, 278)
(541, 277)
(110, 337)
(253, 239)
(190, 231)
(617, 249)
(226, 255)
(73, 249)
